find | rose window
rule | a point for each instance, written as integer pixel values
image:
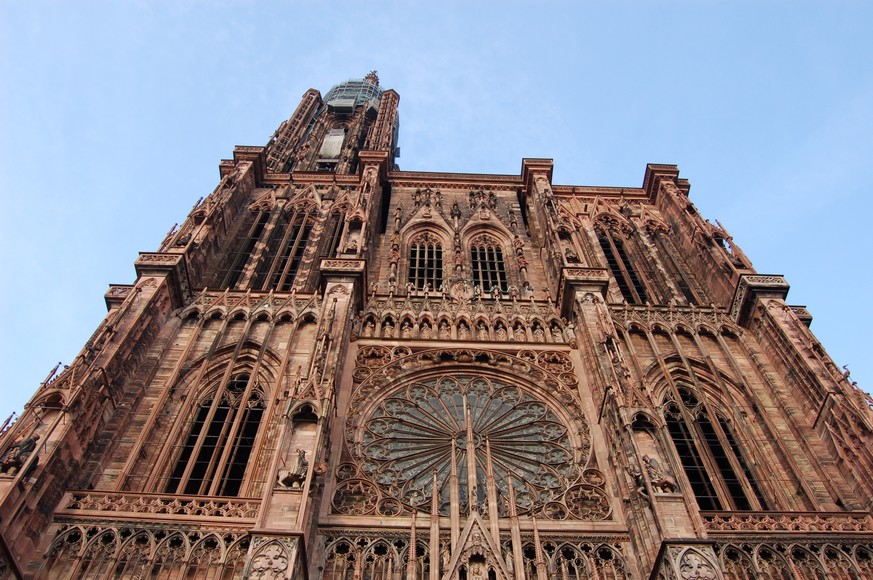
(407, 440)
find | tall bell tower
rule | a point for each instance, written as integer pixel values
(335, 369)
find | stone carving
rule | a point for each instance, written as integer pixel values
(814, 522)
(17, 454)
(154, 550)
(144, 503)
(270, 563)
(694, 566)
(294, 476)
(660, 478)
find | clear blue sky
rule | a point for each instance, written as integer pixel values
(114, 115)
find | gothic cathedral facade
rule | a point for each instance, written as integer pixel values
(338, 370)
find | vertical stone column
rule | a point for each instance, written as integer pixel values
(289, 507)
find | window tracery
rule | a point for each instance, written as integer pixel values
(447, 423)
(278, 266)
(213, 456)
(626, 276)
(711, 457)
(425, 262)
(486, 264)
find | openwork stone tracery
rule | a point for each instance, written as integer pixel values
(468, 429)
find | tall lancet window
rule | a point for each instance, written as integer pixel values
(212, 456)
(426, 262)
(486, 264)
(281, 260)
(629, 282)
(711, 457)
(252, 229)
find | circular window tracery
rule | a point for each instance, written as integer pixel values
(408, 438)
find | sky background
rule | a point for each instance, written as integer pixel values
(114, 116)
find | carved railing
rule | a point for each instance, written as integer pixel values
(153, 506)
(782, 522)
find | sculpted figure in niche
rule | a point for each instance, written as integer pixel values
(463, 331)
(659, 477)
(406, 330)
(557, 335)
(519, 335)
(639, 482)
(500, 332)
(444, 331)
(388, 329)
(539, 334)
(477, 572)
(571, 256)
(369, 328)
(295, 475)
(571, 334)
(481, 331)
(426, 331)
(17, 455)
(455, 213)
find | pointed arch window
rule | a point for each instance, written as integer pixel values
(278, 267)
(332, 234)
(219, 439)
(426, 261)
(711, 457)
(486, 262)
(252, 229)
(629, 282)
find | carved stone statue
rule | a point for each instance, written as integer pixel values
(571, 256)
(557, 334)
(388, 329)
(406, 330)
(459, 262)
(17, 454)
(445, 332)
(659, 477)
(426, 331)
(500, 333)
(369, 327)
(481, 331)
(463, 331)
(639, 482)
(538, 334)
(294, 476)
(518, 244)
